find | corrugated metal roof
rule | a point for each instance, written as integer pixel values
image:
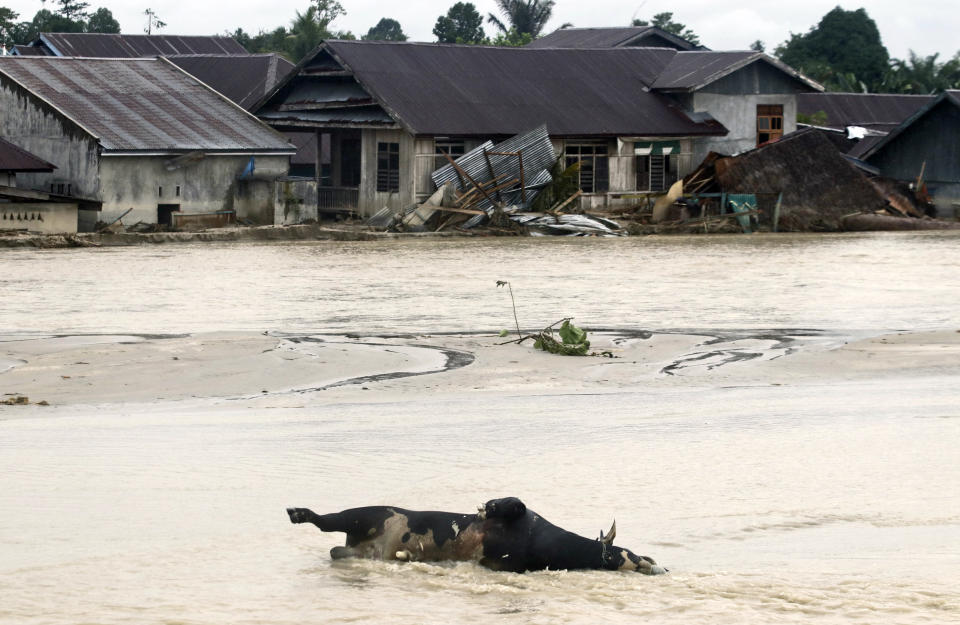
(134, 46)
(140, 104)
(689, 70)
(877, 111)
(951, 97)
(647, 36)
(245, 79)
(14, 158)
(354, 115)
(23, 50)
(438, 89)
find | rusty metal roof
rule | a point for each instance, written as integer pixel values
(133, 46)
(635, 36)
(690, 71)
(140, 105)
(13, 158)
(24, 50)
(876, 111)
(245, 79)
(440, 89)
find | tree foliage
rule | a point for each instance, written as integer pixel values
(387, 29)
(843, 44)
(664, 21)
(922, 74)
(526, 17)
(462, 24)
(8, 25)
(102, 21)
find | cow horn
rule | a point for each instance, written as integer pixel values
(608, 538)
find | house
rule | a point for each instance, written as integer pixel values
(33, 211)
(613, 37)
(220, 62)
(139, 134)
(926, 147)
(122, 46)
(636, 119)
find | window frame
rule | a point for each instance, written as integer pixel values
(769, 123)
(388, 167)
(594, 159)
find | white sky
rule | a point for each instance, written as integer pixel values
(924, 26)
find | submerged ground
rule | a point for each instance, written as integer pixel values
(778, 426)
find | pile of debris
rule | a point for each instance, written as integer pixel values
(495, 185)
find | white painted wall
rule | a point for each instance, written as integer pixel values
(39, 217)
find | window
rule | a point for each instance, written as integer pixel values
(388, 167)
(178, 191)
(159, 191)
(656, 172)
(769, 122)
(594, 165)
(454, 147)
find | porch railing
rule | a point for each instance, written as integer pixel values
(336, 199)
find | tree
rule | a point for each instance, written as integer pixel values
(75, 10)
(843, 43)
(102, 21)
(461, 24)
(153, 22)
(511, 39)
(758, 46)
(305, 33)
(47, 22)
(922, 75)
(526, 17)
(386, 30)
(8, 25)
(664, 21)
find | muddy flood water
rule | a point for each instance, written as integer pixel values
(834, 501)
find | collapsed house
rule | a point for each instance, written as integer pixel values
(140, 137)
(799, 183)
(910, 139)
(636, 119)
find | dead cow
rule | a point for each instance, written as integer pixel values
(503, 535)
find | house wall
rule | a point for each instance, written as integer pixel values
(39, 129)
(8, 179)
(207, 185)
(733, 101)
(931, 143)
(39, 217)
(370, 200)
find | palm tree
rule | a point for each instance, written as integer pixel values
(523, 16)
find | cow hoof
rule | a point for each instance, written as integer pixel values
(657, 570)
(297, 515)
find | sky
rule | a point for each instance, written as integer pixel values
(924, 26)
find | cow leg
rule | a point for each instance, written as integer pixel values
(326, 522)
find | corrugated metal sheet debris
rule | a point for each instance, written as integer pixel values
(489, 162)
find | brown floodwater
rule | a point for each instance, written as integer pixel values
(835, 501)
